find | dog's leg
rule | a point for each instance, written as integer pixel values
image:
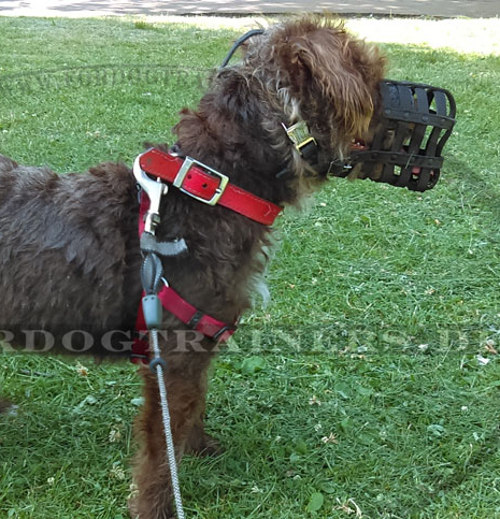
(199, 442)
(185, 387)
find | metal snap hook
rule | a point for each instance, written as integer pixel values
(155, 189)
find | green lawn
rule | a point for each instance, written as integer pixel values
(368, 387)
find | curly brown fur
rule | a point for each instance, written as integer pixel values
(69, 251)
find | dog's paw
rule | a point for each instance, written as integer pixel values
(204, 445)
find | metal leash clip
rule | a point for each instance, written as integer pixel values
(155, 189)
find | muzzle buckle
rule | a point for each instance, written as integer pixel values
(299, 134)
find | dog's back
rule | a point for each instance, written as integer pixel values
(65, 240)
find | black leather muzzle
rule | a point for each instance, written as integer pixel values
(414, 124)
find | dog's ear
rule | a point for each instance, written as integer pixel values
(337, 74)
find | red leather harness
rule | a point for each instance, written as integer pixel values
(211, 187)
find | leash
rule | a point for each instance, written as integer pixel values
(151, 275)
(158, 364)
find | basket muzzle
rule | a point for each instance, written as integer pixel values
(408, 137)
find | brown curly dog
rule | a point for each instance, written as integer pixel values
(70, 255)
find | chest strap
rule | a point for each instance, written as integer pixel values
(172, 302)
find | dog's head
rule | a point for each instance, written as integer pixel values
(321, 75)
(308, 71)
(363, 126)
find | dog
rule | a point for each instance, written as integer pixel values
(70, 253)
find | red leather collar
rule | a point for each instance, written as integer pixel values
(207, 185)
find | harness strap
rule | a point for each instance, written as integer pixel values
(185, 312)
(173, 303)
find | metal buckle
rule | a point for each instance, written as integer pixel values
(299, 134)
(189, 162)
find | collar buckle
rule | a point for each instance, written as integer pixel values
(189, 162)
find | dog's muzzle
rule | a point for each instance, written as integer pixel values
(409, 135)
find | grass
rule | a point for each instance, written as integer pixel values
(372, 391)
